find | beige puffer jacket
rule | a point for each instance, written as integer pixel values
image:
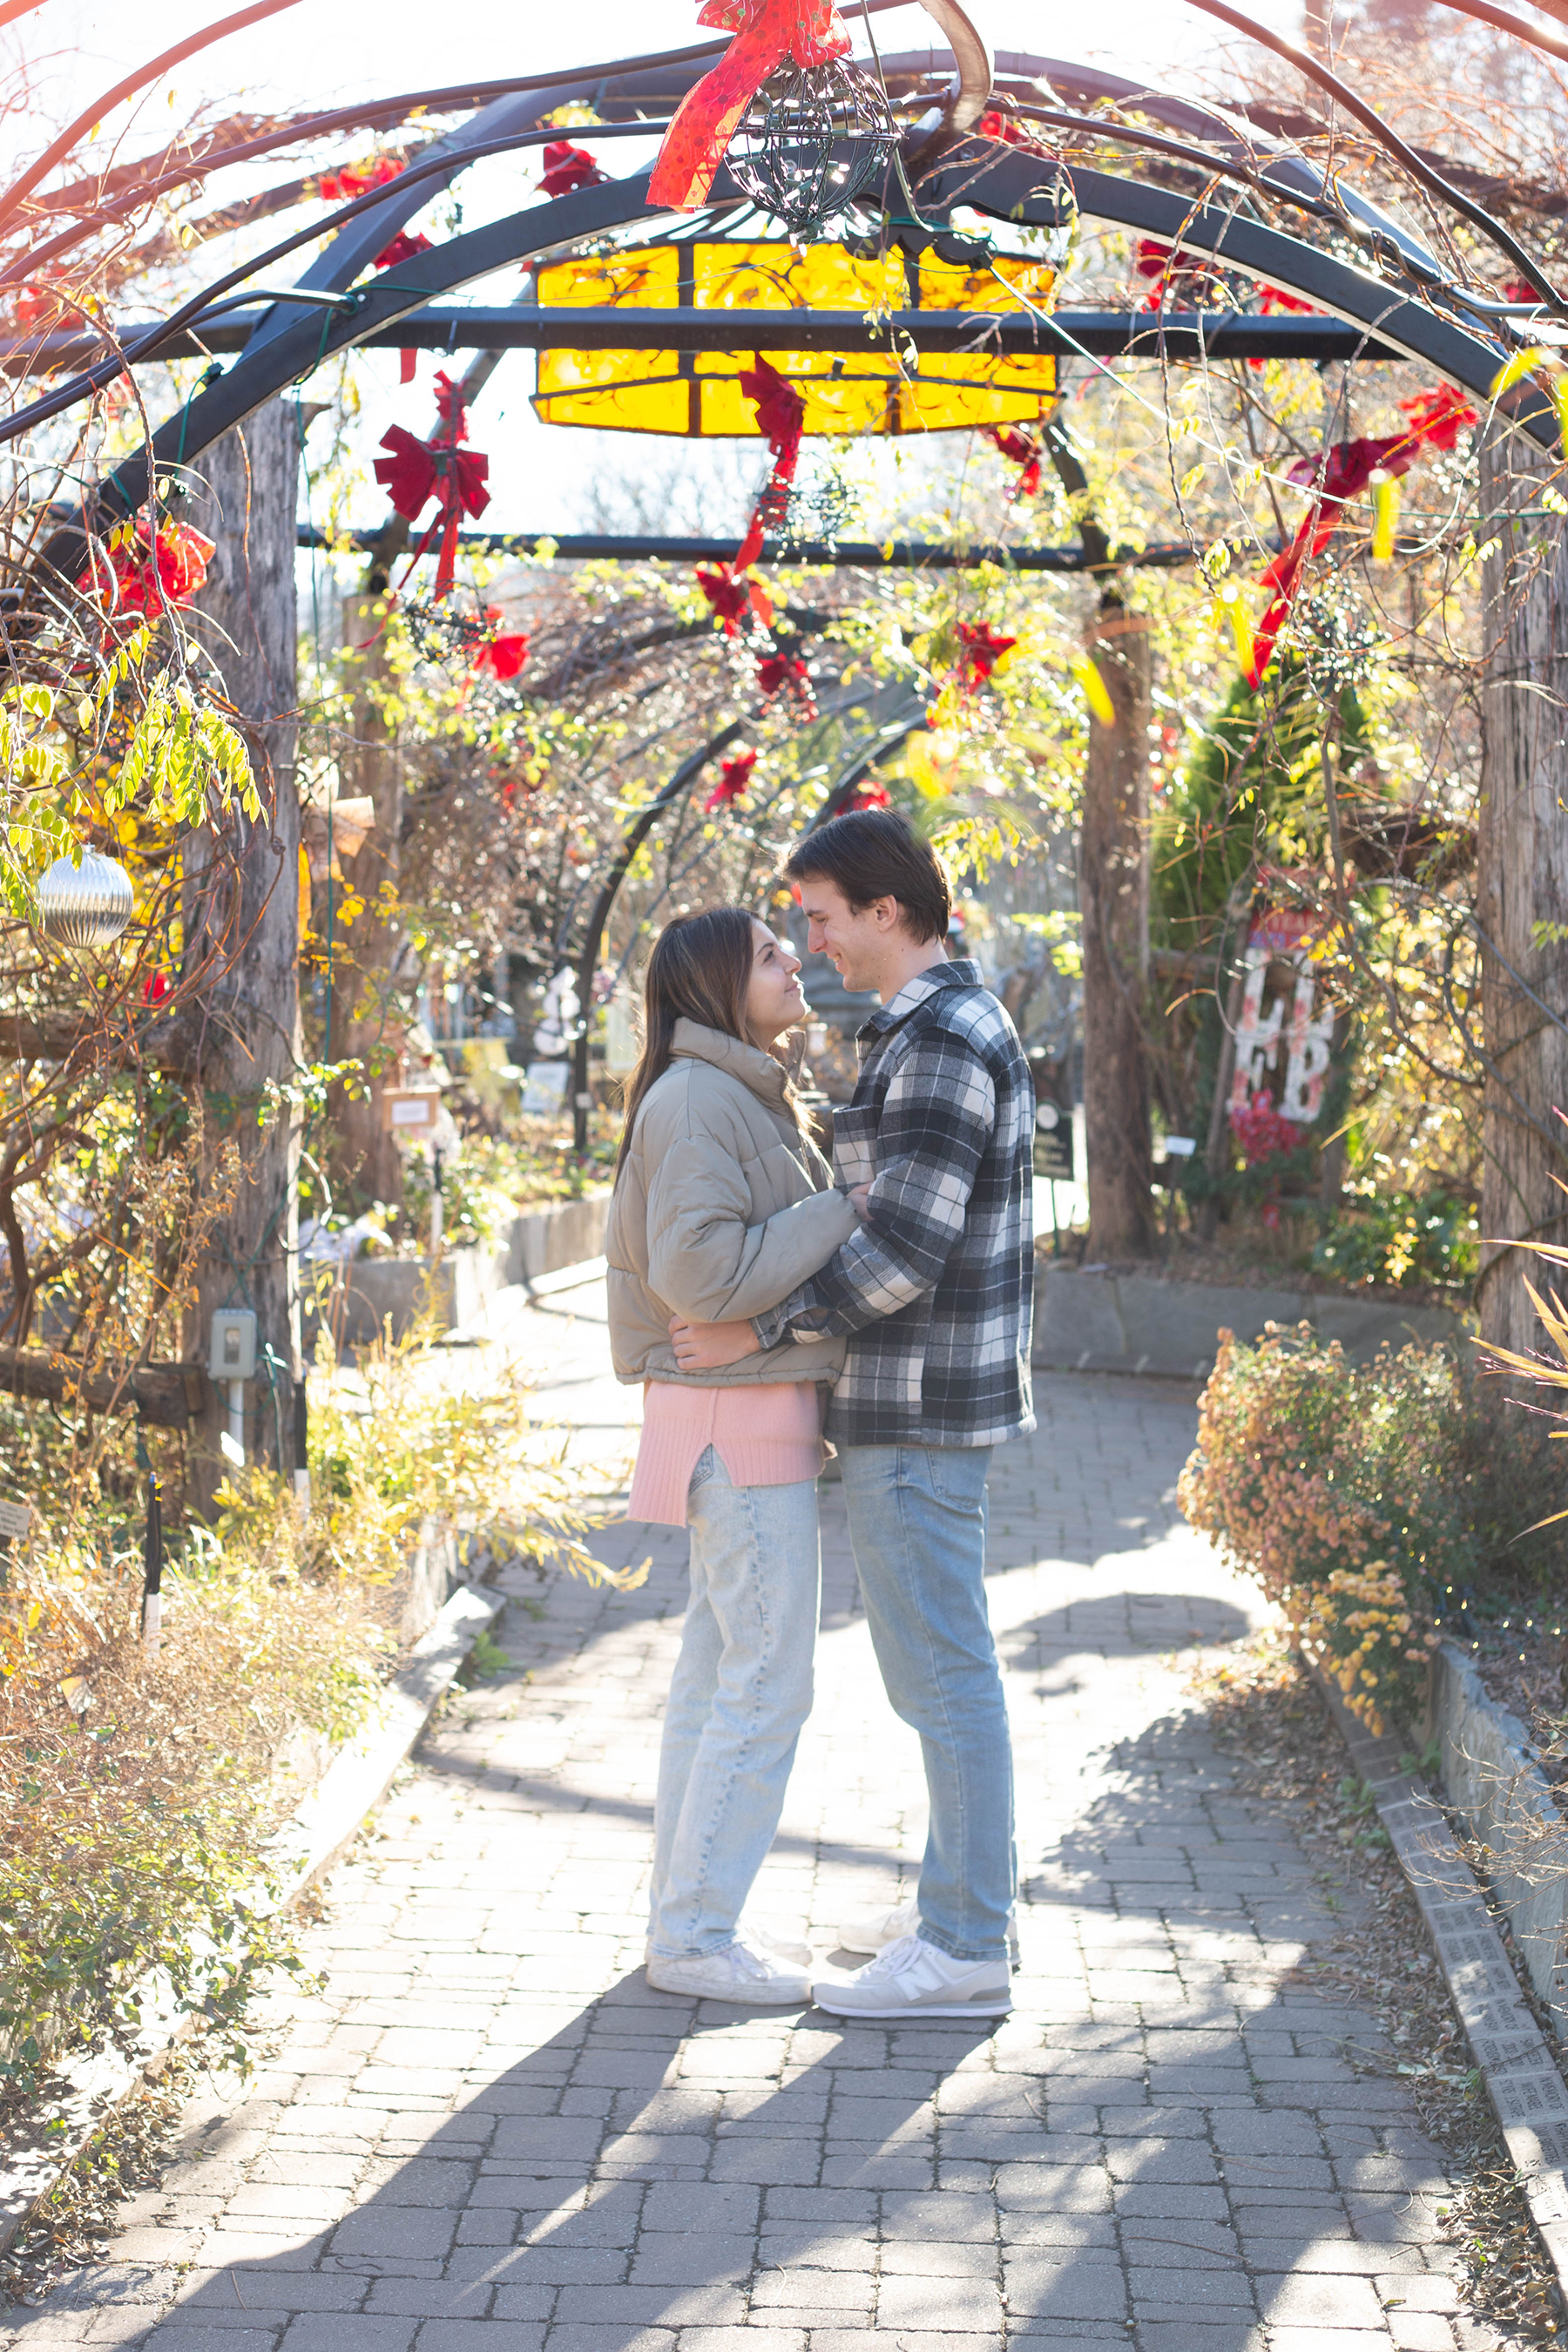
(721, 1209)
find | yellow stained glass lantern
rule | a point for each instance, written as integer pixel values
(697, 394)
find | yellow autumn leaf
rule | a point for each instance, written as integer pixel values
(1095, 691)
(1513, 370)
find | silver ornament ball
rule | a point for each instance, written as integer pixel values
(84, 906)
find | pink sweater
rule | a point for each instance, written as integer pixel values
(768, 1433)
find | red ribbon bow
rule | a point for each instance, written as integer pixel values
(766, 33)
(733, 778)
(1436, 420)
(781, 420)
(415, 469)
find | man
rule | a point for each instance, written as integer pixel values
(935, 1293)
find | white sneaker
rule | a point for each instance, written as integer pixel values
(873, 1931)
(912, 1979)
(742, 1972)
(766, 1938)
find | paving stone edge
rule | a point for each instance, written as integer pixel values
(316, 1834)
(1522, 2079)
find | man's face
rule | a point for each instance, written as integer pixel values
(855, 940)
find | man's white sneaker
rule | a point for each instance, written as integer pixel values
(873, 1931)
(742, 1972)
(912, 1979)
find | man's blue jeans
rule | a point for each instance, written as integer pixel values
(916, 1520)
(741, 1691)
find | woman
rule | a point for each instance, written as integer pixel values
(722, 1204)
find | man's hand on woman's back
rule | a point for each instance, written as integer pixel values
(709, 1347)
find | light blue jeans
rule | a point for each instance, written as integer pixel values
(739, 1692)
(916, 1520)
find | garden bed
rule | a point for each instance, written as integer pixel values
(142, 1783)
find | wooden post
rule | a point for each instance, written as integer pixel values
(243, 902)
(1523, 880)
(1113, 901)
(367, 1015)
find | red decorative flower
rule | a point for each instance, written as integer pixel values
(868, 796)
(1025, 450)
(176, 562)
(1263, 1132)
(567, 169)
(982, 649)
(734, 777)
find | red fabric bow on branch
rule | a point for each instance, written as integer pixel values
(1436, 420)
(982, 649)
(567, 169)
(766, 33)
(417, 469)
(781, 419)
(175, 562)
(733, 778)
(1025, 449)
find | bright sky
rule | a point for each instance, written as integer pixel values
(323, 53)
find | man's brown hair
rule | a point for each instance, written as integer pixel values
(873, 853)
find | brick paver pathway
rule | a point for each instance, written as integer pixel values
(487, 2135)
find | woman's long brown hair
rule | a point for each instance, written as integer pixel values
(701, 970)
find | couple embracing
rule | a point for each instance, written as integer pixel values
(748, 1281)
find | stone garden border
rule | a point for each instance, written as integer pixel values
(1521, 2077)
(1498, 1788)
(318, 1832)
(1153, 1323)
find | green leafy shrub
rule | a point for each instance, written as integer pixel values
(1403, 1239)
(1359, 1627)
(1324, 1480)
(1307, 1463)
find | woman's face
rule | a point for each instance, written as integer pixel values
(775, 1000)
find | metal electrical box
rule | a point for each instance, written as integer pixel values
(233, 1356)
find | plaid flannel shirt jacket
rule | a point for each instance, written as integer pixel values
(936, 1291)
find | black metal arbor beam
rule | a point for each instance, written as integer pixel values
(294, 336)
(447, 327)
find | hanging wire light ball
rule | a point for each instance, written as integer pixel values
(813, 139)
(84, 906)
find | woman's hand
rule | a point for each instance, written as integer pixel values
(858, 1196)
(709, 1347)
